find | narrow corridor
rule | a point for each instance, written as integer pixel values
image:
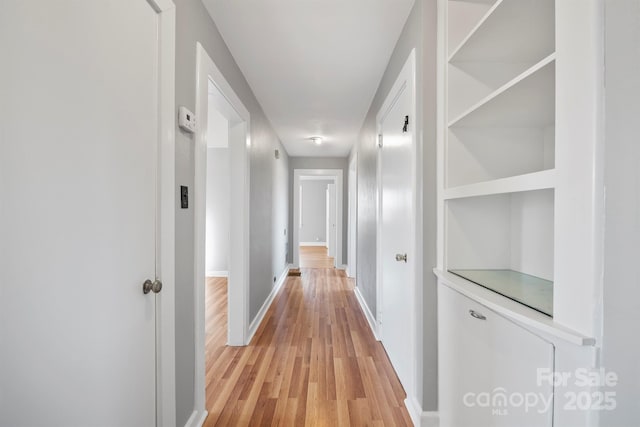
(313, 361)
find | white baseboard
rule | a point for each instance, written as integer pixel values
(350, 274)
(419, 417)
(430, 419)
(197, 419)
(217, 273)
(367, 313)
(313, 244)
(267, 303)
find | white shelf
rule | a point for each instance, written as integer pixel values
(527, 100)
(506, 307)
(528, 182)
(510, 31)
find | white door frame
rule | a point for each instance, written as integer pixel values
(328, 173)
(165, 223)
(332, 244)
(352, 217)
(232, 108)
(408, 73)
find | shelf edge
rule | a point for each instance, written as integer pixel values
(513, 310)
(541, 180)
(504, 88)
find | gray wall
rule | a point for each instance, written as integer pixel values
(269, 190)
(322, 163)
(419, 33)
(314, 211)
(620, 346)
(217, 219)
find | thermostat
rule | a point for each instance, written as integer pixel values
(186, 120)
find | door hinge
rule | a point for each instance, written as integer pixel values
(380, 141)
(406, 124)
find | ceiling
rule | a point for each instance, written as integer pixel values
(314, 65)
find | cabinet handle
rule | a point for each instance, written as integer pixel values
(477, 315)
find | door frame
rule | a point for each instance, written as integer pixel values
(165, 222)
(328, 213)
(352, 216)
(298, 174)
(407, 74)
(230, 105)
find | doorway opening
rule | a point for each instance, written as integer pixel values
(317, 218)
(221, 205)
(317, 230)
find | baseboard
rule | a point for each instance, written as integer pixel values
(197, 419)
(347, 269)
(430, 419)
(367, 313)
(267, 303)
(313, 244)
(419, 417)
(217, 273)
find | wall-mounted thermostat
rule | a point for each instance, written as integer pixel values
(186, 120)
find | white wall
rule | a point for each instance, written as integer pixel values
(314, 211)
(217, 219)
(621, 311)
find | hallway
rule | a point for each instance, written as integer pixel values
(313, 361)
(315, 257)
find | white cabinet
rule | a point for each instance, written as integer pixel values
(489, 368)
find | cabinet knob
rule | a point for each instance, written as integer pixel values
(401, 257)
(477, 315)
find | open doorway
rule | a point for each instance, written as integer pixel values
(317, 230)
(220, 211)
(217, 238)
(317, 218)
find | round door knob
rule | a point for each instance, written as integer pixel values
(147, 286)
(157, 286)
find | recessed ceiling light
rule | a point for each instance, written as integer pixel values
(316, 139)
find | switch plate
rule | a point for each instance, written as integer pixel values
(186, 120)
(184, 197)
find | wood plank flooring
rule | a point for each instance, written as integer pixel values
(315, 257)
(312, 362)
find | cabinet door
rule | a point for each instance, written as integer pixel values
(489, 368)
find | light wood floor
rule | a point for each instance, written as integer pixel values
(315, 257)
(312, 362)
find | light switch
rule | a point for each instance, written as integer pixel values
(184, 197)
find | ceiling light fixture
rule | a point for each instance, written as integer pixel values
(316, 139)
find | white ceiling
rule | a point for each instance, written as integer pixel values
(314, 65)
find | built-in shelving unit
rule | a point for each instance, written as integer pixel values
(499, 177)
(520, 196)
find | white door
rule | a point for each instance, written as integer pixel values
(78, 166)
(331, 221)
(396, 230)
